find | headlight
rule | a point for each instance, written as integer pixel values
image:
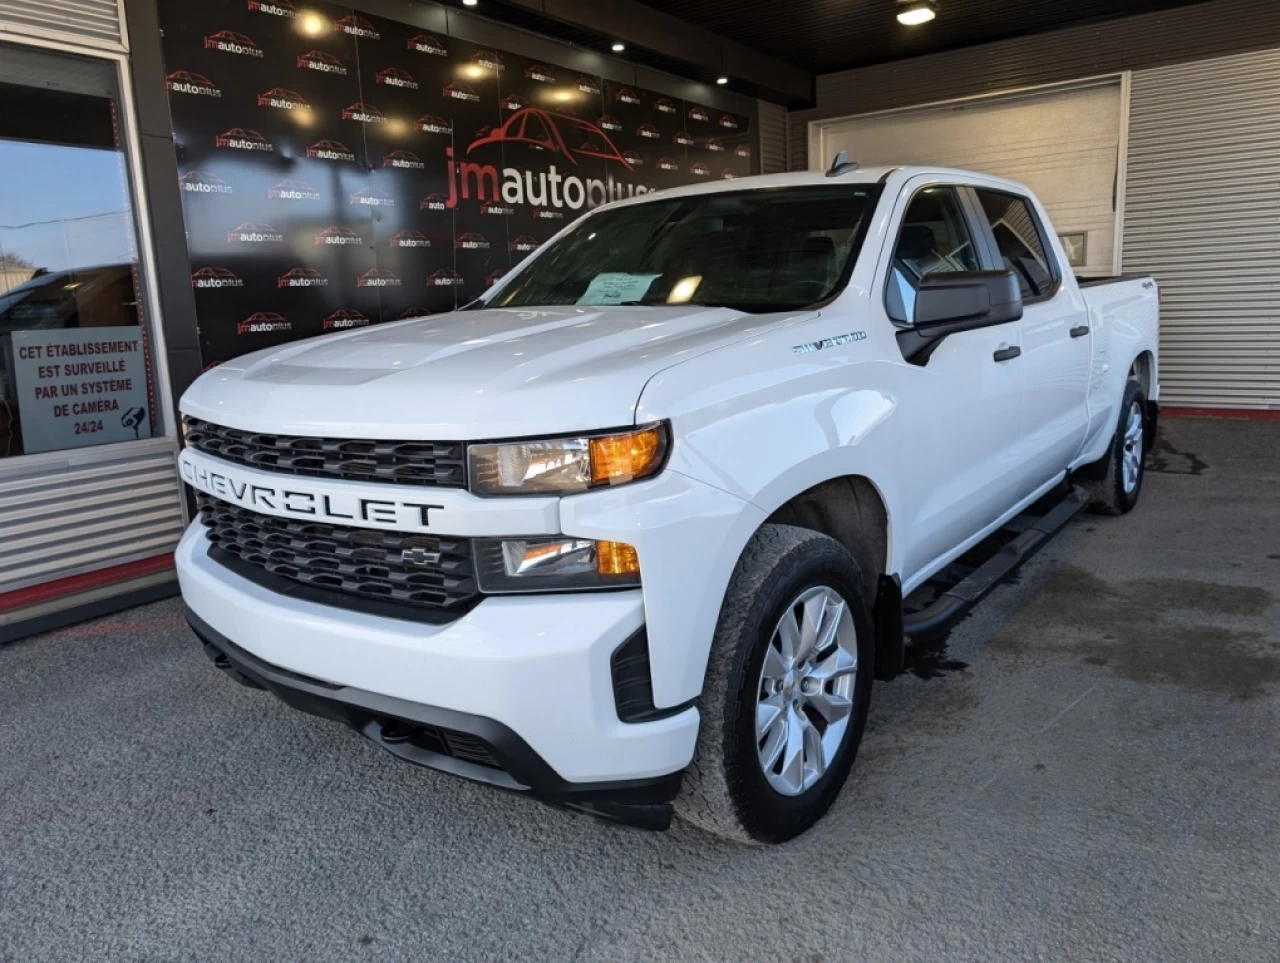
(554, 564)
(186, 427)
(562, 466)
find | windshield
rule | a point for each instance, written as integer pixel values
(759, 250)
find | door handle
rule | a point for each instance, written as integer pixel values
(1007, 354)
(1079, 331)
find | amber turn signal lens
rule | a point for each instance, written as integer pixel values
(616, 558)
(622, 458)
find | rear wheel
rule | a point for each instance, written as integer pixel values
(787, 690)
(1114, 482)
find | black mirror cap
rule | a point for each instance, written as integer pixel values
(961, 300)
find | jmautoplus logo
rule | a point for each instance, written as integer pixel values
(395, 77)
(546, 214)
(513, 102)
(699, 169)
(330, 150)
(667, 164)
(493, 277)
(358, 27)
(338, 236)
(410, 239)
(715, 145)
(682, 138)
(471, 242)
(263, 322)
(434, 202)
(364, 113)
(428, 44)
(496, 207)
(283, 99)
(698, 113)
(588, 85)
(302, 277)
(625, 95)
(403, 159)
(728, 174)
(461, 91)
(633, 158)
(445, 278)
(431, 124)
(729, 122)
(649, 131)
(664, 106)
(251, 232)
(368, 197)
(228, 41)
(541, 73)
(343, 319)
(200, 182)
(488, 59)
(277, 8)
(189, 82)
(742, 150)
(414, 312)
(213, 278)
(523, 244)
(321, 62)
(377, 278)
(294, 191)
(241, 138)
(610, 123)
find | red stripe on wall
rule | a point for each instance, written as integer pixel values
(1241, 414)
(60, 588)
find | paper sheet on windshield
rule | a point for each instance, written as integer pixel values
(616, 287)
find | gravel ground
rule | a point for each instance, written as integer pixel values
(1088, 770)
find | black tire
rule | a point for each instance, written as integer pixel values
(725, 789)
(1104, 480)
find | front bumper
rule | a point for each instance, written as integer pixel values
(457, 742)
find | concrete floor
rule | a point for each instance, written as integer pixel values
(1089, 771)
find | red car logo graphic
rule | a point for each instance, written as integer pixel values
(254, 233)
(648, 130)
(664, 106)
(545, 130)
(368, 197)
(681, 138)
(610, 123)
(492, 278)
(301, 277)
(241, 138)
(286, 99)
(357, 27)
(729, 122)
(214, 277)
(513, 102)
(394, 77)
(294, 191)
(364, 113)
(342, 319)
(698, 113)
(461, 91)
(633, 158)
(410, 239)
(444, 278)
(338, 236)
(541, 73)
(378, 278)
(715, 145)
(198, 182)
(742, 150)
(415, 312)
(625, 95)
(330, 150)
(230, 42)
(427, 43)
(699, 170)
(261, 322)
(523, 243)
(489, 59)
(433, 202)
(189, 82)
(406, 159)
(471, 242)
(432, 124)
(325, 63)
(587, 85)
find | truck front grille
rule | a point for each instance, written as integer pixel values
(439, 463)
(359, 568)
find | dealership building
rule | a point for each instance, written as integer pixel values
(181, 183)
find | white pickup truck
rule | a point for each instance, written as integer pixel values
(632, 533)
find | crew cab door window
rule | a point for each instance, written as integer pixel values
(1021, 243)
(935, 239)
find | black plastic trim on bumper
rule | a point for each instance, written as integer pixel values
(643, 803)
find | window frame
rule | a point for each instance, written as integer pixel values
(1055, 268)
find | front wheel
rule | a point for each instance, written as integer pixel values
(787, 690)
(1114, 482)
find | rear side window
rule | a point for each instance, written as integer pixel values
(1021, 242)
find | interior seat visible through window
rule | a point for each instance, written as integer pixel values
(934, 240)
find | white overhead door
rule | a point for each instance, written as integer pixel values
(1063, 144)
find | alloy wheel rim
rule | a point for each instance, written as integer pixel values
(1131, 456)
(804, 697)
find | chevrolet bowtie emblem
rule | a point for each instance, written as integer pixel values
(417, 555)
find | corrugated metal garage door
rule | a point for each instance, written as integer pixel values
(1063, 144)
(1203, 216)
(96, 20)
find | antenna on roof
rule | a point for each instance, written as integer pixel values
(842, 165)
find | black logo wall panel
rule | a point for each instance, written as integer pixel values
(339, 169)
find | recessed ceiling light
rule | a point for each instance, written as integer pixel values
(722, 80)
(618, 47)
(470, 3)
(917, 12)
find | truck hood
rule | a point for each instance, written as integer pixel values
(489, 373)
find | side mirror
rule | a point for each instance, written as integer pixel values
(960, 301)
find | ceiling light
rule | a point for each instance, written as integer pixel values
(470, 3)
(917, 12)
(722, 80)
(618, 47)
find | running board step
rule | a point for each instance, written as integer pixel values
(954, 604)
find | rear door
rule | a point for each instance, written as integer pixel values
(1053, 370)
